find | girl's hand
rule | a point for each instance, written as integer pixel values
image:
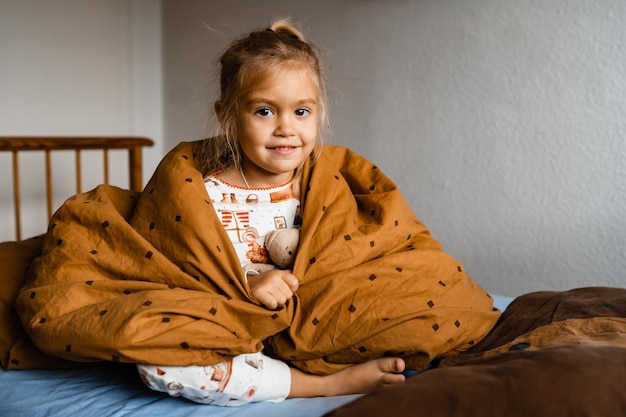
(273, 288)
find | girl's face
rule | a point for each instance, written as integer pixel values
(277, 126)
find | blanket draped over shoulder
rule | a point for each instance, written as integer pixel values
(152, 277)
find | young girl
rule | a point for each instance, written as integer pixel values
(271, 110)
(169, 278)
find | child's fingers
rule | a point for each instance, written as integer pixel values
(274, 288)
(291, 281)
(271, 303)
(274, 297)
(268, 299)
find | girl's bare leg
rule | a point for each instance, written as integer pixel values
(357, 379)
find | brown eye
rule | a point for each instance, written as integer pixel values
(264, 112)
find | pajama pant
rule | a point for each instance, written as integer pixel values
(245, 378)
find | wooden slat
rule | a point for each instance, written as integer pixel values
(16, 196)
(105, 164)
(35, 143)
(48, 183)
(135, 168)
(79, 173)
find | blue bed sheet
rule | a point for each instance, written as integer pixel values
(115, 390)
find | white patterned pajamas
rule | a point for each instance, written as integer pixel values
(245, 378)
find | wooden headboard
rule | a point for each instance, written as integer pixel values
(47, 145)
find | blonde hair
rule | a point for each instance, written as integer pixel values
(245, 64)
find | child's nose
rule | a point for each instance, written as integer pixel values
(285, 126)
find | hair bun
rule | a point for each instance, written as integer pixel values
(284, 26)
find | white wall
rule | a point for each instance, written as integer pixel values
(502, 120)
(73, 67)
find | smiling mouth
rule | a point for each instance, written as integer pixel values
(282, 148)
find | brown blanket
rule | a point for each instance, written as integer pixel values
(552, 354)
(151, 277)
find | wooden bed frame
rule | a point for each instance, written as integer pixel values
(49, 144)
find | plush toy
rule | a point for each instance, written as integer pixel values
(281, 245)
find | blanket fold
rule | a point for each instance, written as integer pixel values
(151, 277)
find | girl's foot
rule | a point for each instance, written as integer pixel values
(356, 379)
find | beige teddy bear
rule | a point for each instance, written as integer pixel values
(281, 246)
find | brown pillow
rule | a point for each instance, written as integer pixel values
(552, 382)
(16, 349)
